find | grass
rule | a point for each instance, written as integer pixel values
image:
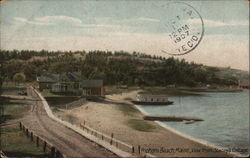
(127, 109)
(13, 141)
(140, 125)
(116, 89)
(68, 117)
(47, 93)
(12, 90)
(59, 101)
(128, 99)
(15, 144)
(13, 111)
(170, 91)
(55, 109)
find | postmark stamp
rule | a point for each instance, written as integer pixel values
(185, 28)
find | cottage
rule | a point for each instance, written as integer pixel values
(92, 87)
(64, 82)
(70, 82)
(244, 84)
(47, 80)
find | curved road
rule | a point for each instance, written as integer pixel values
(66, 140)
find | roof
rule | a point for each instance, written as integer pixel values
(48, 77)
(244, 83)
(91, 83)
(71, 77)
(65, 77)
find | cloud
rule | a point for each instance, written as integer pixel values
(213, 23)
(59, 20)
(23, 20)
(144, 19)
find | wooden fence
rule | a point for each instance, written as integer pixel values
(137, 152)
(40, 142)
(76, 103)
(113, 141)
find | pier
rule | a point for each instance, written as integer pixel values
(172, 118)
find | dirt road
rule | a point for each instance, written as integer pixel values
(66, 140)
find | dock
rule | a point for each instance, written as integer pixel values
(172, 118)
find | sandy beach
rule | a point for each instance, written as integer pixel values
(108, 118)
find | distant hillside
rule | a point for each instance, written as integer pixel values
(228, 72)
(116, 68)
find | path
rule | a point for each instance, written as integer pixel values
(66, 140)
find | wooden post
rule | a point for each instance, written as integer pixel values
(27, 132)
(52, 152)
(116, 144)
(133, 149)
(58, 154)
(31, 136)
(111, 141)
(139, 149)
(44, 146)
(102, 137)
(20, 125)
(37, 141)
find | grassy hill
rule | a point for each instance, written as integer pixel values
(117, 68)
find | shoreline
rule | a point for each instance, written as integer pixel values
(108, 118)
(200, 141)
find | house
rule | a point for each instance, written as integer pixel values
(244, 84)
(70, 82)
(46, 80)
(92, 87)
(64, 82)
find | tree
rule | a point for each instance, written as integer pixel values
(19, 77)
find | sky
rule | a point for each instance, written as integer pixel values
(139, 25)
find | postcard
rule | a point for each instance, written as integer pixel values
(124, 78)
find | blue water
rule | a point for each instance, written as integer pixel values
(226, 117)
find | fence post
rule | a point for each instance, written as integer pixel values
(102, 136)
(44, 145)
(37, 141)
(31, 136)
(52, 151)
(139, 149)
(24, 129)
(20, 125)
(27, 132)
(58, 154)
(111, 141)
(133, 149)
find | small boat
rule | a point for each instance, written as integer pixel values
(149, 99)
